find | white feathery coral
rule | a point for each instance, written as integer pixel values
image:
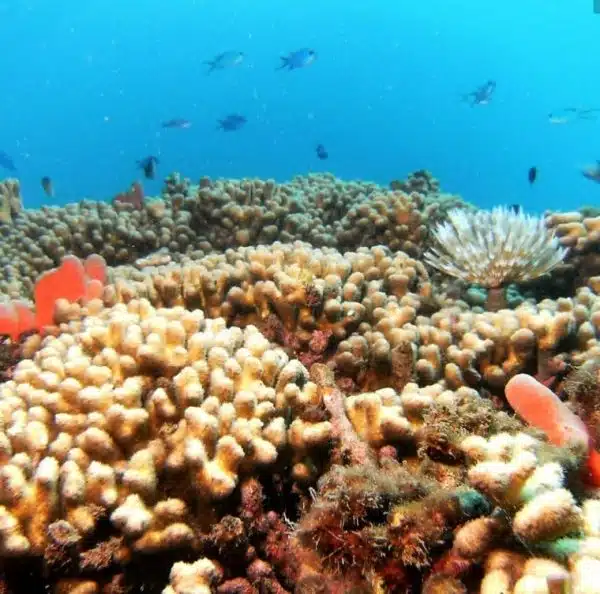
(493, 248)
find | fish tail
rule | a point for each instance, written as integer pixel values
(212, 65)
(285, 63)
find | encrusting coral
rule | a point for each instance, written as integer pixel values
(216, 416)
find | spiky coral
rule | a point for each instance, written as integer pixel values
(380, 524)
(346, 523)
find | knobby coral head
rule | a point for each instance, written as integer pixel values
(494, 248)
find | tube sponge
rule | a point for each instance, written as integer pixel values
(542, 408)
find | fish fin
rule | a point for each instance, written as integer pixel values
(285, 63)
(212, 66)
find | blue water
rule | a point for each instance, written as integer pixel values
(87, 83)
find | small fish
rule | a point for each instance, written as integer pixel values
(177, 123)
(516, 208)
(481, 95)
(232, 122)
(7, 163)
(322, 152)
(532, 174)
(148, 166)
(568, 114)
(298, 59)
(558, 119)
(592, 172)
(225, 60)
(48, 186)
(588, 113)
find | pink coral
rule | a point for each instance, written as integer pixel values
(319, 341)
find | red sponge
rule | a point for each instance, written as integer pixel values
(72, 280)
(15, 318)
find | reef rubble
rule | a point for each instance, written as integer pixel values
(244, 387)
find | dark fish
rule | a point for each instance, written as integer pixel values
(298, 59)
(322, 152)
(516, 208)
(225, 60)
(48, 186)
(7, 163)
(532, 174)
(177, 123)
(232, 122)
(481, 95)
(148, 166)
(592, 172)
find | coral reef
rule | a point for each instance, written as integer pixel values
(216, 215)
(580, 233)
(133, 394)
(252, 387)
(374, 314)
(10, 200)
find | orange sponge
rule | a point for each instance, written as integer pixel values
(72, 280)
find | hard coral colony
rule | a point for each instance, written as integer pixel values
(249, 387)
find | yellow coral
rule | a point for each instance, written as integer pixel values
(133, 395)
